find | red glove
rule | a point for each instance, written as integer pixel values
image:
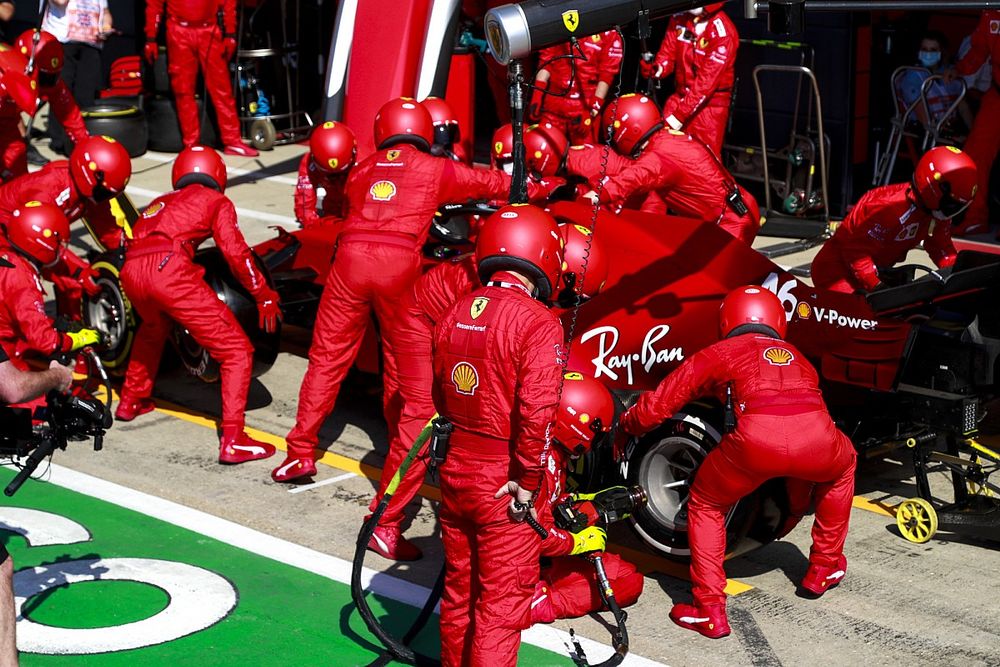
(151, 51)
(269, 311)
(537, 98)
(228, 48)
(541, 189)
(648, 70)
(88, 278)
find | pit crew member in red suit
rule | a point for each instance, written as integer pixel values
(195, 39)
(332, 149)
(166, 286)
(420, 309)
(34, 238)
(98, 169)
(568, 587)
(889, 221)
(447, 132)
(497, 366)
(18, 93)
(684, 172)
(783, 430)
(392, 196)
(570, 89)
(700, 50)
(48, 63)
(984, 138)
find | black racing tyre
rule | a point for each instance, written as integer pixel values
(124, 123)
(165, 131)
(262, 134)
(664, 463)
(193, 356)
(111, 313)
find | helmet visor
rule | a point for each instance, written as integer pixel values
(950, 206)
(102, 193)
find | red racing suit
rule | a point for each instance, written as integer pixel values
(984, 138)
(701, 53)
(13, 150)
(496, 378)
(783, 430)
(585, 160)
(194, 39)
(690, 180)
(334, 199)
(420, 309)
(571, 113)
(392, 196)
(23, 322)
(569, 587)
(54, 185)
(882, 227)
(166, 286)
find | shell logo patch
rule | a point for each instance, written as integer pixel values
(465, 377)
(778, 356)
(391, 155)
(478, 306)
(804, 310)
(383, 190)
(152, 209)
(571, 19)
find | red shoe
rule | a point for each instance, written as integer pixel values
(388, 542)
(235, 446)
(129, 410)
(821, 578)
(542, 610)
(240, 149)
(294, 467)
(710, 620)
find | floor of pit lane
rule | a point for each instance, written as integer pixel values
(900, 603)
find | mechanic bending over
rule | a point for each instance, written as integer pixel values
(889, 221)
(782, 429)
(166, 286)
(498, 352)
(326, 164)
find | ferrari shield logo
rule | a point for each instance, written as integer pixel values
(478, 306)
(571, 19)
(392, 155)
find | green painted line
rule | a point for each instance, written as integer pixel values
(280, 614)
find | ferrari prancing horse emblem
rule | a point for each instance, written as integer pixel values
(478, 306)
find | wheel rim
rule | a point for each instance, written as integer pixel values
(107, 313)
(666, 473)
(917, 520)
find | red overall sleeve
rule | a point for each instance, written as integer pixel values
(228, 8)
(721, 49)
(65, 108)
(29, 306)
(611, 58)
(651, 171)
(154, 15)
(305, 194)
(585, 162)
(856, 249)
(666, 57)
(979, 47)
(539, 374)
(234, 248)
(460, 182)
(698, 376)
(940, 246)
(559, 542)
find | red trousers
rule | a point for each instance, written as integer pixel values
(982, 146)
(573, 588)
(13, 152)
(743, 227)
(177, 292)
(709, 125)
(413, 352)
(575, 123)
(491, 563)
(187, 49)
(365, 275)
(804, 446)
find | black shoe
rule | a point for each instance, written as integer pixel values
(35, 158)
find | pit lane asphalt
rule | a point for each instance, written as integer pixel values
(901, 603)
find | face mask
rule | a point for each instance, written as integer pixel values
(929, 58)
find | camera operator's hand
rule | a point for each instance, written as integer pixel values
(591, 538)
(64, 374)
(522, 501)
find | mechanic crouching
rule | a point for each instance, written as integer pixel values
(888, 222)
(326, 164)
(166, 286)
(498, 359)
(782, 429)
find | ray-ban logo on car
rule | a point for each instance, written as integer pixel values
(778, 356)
(610, 360)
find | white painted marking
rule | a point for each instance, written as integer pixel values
(153, 156)
(332, 480)
(198, 599)
(241, 212)
(42, 529)
(324, 565)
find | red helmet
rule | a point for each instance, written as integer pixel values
(38, 231)
(632, 120)
(199, 164)
(522, 238)
(945, 181)
(586, 409)
(403, 121)
(582, 257)
(100, 167)
(752, 305)
(20, 87)
(333, 147)
(445, 121)
(48, 52)
(544, 149)
(503, 146)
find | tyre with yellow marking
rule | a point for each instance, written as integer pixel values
(917, 520)
(111, 313)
